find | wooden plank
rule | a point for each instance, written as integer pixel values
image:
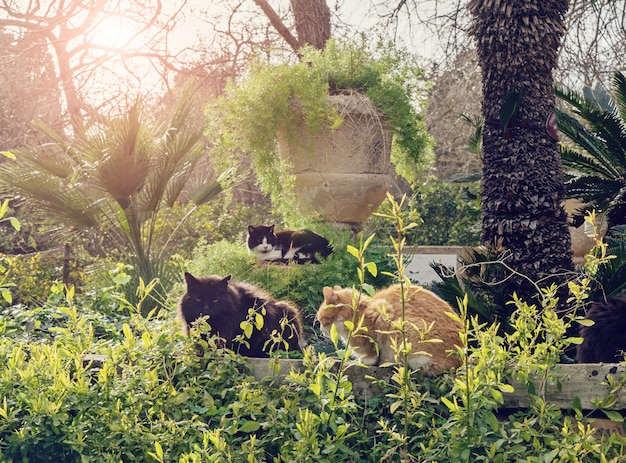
(587, 381)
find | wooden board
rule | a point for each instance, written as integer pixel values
(588, 382)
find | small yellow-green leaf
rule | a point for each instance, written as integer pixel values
(452, 406)
(507, 388)
(348, 324)
(127, 332)
(334, 336)
(586, 322)
(454, 316)
(352, 250)
(394, 406)
(159, 450)
(6, 295)
(371, 267)
(368, 289)
(9, 155)
(15, 223)
(497, 395)
(368, 241)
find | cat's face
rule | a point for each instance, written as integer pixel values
(261, 239)
(207, 295)
(336, 308)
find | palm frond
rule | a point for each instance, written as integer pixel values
(599, 131)
(619, 82)
(475, 142)
(599, 159)
(48, 158)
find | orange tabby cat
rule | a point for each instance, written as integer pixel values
(421, 308)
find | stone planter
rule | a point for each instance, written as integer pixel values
(342, 175)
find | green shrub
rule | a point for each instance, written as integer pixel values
(156, 397)
(446, 214)
(159, 396)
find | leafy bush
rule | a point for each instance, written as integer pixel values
(157, 397)
(445, 213)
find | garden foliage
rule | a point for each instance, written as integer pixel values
(155, 395)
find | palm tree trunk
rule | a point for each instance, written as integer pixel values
(523, 186)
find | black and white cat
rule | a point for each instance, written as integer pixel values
(286, 245)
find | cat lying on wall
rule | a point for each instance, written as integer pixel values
(285, 246)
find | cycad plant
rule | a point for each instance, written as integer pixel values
(116, 178)
(597, 154)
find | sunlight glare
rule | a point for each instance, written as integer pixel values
(113, 32)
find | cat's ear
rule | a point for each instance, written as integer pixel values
(272, 228)
(338, 288)
(330, 297)
(250, 229)
(190, 280)
(226, 279)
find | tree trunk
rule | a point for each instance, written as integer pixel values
(312, 22)
(312, 18)
(523, 188)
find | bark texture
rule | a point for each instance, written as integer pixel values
(523, 188)
(312, 19)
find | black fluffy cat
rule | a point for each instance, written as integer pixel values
(227, 304)
(605, 340)
(286, 245)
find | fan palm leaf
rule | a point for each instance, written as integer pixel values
(115, 177)
(596, 154)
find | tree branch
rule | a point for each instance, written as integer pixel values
(278, 24)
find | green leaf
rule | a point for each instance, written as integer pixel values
(586, 322)
(334, 336)
(497, 395)
(159, 451)
(353, 251)
(9, 155)
(4, 207)
(613, 415)
(395, 406)
(15, 223)
(121, 279)
(371, 267)
(507, 388)
(6, 295)
(250, 426)
(258, 321)
(128, 333)
(452, 406)
(368, 241)
(368, 289)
